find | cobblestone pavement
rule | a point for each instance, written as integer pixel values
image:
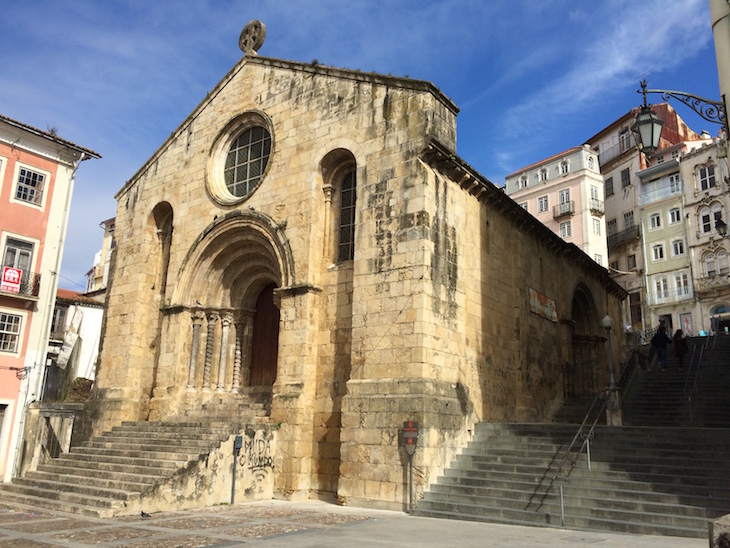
(304, 524)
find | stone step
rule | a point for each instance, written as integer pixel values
(87, 510)
(184, 446)
(124, 482)
(536, 519)
(84, 487)
(104, 470)
(534, 492)
(139, 453)
(70, 496)
(91, 459)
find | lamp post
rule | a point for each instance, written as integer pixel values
(613, 405)
(721, 227)
(607, 324)
(649, 130)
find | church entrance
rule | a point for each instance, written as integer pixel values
(265, 344)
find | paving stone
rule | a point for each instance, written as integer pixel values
(23, 543)
(175, 542)
(261, 530)
(106, 535)
(196, 522)
(13, 516)
(331, 519)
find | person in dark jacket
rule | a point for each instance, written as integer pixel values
(680, 346)
(660, 341)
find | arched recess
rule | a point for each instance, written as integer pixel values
(720, 318)
(162, 217)
(228, 277)
(581, 375)
(338, 171)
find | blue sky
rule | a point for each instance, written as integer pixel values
(532, 77)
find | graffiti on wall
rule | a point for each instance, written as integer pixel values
(256, 464)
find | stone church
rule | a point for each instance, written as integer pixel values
(308, 240)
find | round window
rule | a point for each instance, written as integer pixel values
(239, 158)
(246, 161)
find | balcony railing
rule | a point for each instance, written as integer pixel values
(30, 285)
(597, 206)
(720, 281)
(560, 210)
(616, 150)
(649, 197)
(624, 236)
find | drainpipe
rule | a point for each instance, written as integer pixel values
(43, 339)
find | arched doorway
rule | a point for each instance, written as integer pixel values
(720, 318)
(580, 373)
(265, 342)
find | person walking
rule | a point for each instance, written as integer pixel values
(680, 346)
(659, 342)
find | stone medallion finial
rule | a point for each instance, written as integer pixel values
(252, 37)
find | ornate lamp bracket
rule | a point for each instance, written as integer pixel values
(712, 111)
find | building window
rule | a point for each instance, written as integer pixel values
(18, 254)
(631, 261)
(675, 215)
(542, 204)
(614, 265)
(611, 227)
(677, 248)
(675, 154)
(30, 186)
(662, 288)
(608, 187)
(709, 218)
(565, 230)
(564, 167)
(635, 308)
(564, 196)
(523, 181)
(628, 220)
(346, 250)
(681, 284)
(657, 252)
(715, 265)
(707, 177)
(543, 174)
(594, 192)
(596, 226)
(9, 332)
(58, 324)
(625, 178)
(591, 163)
(675, 184)
(624, 140)
(598, 259)
(722, 263)
(660, 159)
(655, 221)
(523, 205)
(246, 161)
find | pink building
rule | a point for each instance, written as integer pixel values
(37, 171)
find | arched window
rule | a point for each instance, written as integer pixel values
(709, 217)
(348, 197)
(710, 265)
(591, 162)
(543, 174)
(564, 167)
(722, 263)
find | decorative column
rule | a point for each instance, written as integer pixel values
(197, 317)
(327, 190)
(223, 358)
(209, 341)
(246, 342)
(240, 325)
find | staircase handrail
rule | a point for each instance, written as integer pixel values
(579, 433)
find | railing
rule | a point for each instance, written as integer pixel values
(567, 208)
(624, 236)
(617, 150)
(627, 370)
(709, 283)
(652, 196)
(597, 206)
(30, 285)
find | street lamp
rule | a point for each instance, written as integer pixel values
(721, 227)
(648, 126)
(712, 111)
(607, 323)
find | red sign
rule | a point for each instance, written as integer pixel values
(11, 279)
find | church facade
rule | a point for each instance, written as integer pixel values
(309, 236)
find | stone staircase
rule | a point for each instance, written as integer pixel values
(136, 466)
(665, 472)
(642, 480)
(687, 397)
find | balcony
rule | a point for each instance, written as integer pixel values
(654, 195)
(30, 286)
(596, 206)
(618, 238)
(561, 210)
(712, 283)
(617, 150)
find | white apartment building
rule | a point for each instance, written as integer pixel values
(565, 193)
